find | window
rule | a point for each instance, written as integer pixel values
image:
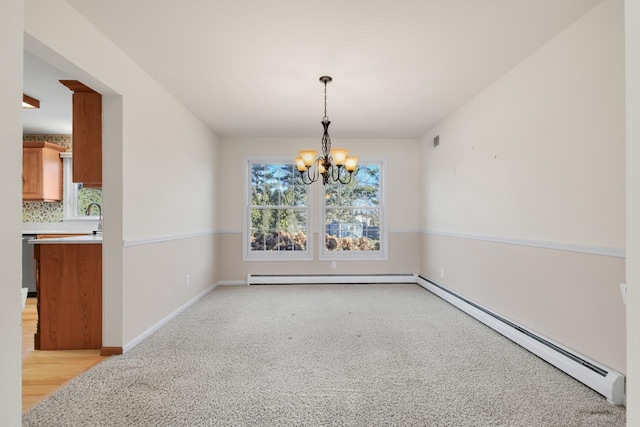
(77, 198)
(353, 216)
(277, 212)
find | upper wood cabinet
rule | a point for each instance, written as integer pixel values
(87, 134)
(42, 171)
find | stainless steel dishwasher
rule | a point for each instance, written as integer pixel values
(28, 265)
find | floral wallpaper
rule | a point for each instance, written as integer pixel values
(42, 211)
(39, 212)
(63, 140)
(86, 196)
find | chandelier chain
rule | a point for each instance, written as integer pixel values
(325, 100)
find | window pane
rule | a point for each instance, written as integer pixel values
(258, 240)
(286, 185)
(300, 195)
(370, 220)
(292, 220)
(367, 189)
(278, 229)
(258, 172)
(352, 212)
(271, 184)
(278, 208)
(336, 195)
(352, 230)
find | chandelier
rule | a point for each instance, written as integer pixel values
(334, 165)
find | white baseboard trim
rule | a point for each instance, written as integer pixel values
(232, 283)
(607, 382)
(137, 340)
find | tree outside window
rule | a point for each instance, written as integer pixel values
(353, 212)
(278, 208)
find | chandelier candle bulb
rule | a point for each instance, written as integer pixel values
(321, 168)
(339, 155)
(350, 163)
(300, 164)
(308, 157)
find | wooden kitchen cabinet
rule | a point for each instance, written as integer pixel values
(69, 290)
(87, 134)
(42, 171)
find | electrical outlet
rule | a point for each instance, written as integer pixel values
(442, 273)
(187, 280)
(333, 264)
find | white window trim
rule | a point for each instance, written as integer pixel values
(382, 254)
(247, 253)
(70, 193)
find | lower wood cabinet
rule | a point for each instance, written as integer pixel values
(69, 289)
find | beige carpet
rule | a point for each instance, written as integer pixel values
(325, 355)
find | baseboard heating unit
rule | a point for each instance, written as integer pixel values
(603, 380)
(296, 279)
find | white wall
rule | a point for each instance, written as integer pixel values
(402, 194)
(540, 154)
(153, 291)
(632, 46)
(10, 173)
(160, 156)
(538, 159)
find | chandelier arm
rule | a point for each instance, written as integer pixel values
(340, 177)
(314, 177)
(307, 178)
(336, 172)
(350, 175)
(302, 178)
(304, 181)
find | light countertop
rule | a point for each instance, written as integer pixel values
(66, 227)
(84, 239)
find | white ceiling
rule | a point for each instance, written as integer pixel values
(251, 68)
(41, 81)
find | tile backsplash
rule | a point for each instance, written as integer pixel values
(62, 140)
(42, 211)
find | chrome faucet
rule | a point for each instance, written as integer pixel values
(99, 213)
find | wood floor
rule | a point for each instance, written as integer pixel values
(45, 371)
